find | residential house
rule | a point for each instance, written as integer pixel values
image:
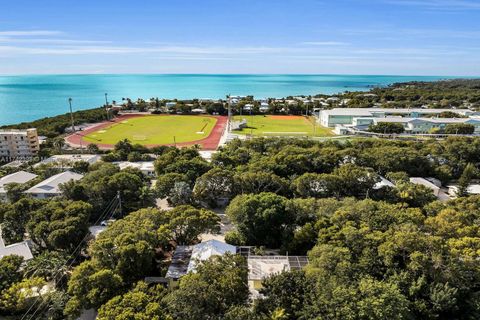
(51, 187)
(262, 267)
(146, 167)
(67, 160)
(417, 180)
(20, 177)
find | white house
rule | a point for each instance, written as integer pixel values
(21, 249)
(383, 183)
(20, 177)
(146, 167)
(51, 187)
(264, 107)
(472, 189)
(248, 107)
(67, 160)
(262, 267)
(185, 258)
(205, 250)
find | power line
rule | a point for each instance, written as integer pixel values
(73, 256)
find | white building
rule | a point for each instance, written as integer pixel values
(383, 183)
(21, 249)
(51, 187)
(262, 267)
(185, 258)
(248, 107)
(345, 116)
(207, 249)
(20, 177)
(264, 107)
(18, 143)
(472, 189)
(146, 167)
(67, 160)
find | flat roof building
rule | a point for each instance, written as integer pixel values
(332, 117)
(472, 189)
(262, 267)
(146, 167)
(67, 160)
(16, 144)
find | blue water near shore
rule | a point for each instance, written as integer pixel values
(26, 98)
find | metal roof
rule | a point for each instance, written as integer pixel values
(20, 249)
(205, 250)
(51, 185)
(17, 177)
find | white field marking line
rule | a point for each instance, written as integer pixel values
(284, 132)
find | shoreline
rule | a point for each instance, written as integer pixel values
(36, 97)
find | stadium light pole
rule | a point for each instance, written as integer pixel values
(106, 105)
(71, 114)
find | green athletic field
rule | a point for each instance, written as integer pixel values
(272, 125)
(153, 129)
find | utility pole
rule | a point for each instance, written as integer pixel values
(119, 202)
(229, 114)
(71, 114)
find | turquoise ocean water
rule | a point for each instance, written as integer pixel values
(25, 98)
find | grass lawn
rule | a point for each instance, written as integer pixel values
(272, 125)
(155, 130)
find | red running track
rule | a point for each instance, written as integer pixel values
(209, 143)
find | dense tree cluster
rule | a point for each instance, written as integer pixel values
(54, 126)
(104, 181)
(130, 249)
(440, 94)
(374, 260)
(387, 128)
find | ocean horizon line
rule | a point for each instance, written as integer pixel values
(29, 97)
(239, 74)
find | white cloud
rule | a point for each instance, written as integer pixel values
(438, 4)
(27, 33)
(324, 43)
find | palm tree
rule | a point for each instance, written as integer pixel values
(58, 144)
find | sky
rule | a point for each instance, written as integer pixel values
(392, 37)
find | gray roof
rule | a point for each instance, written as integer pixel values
(20, 249)
(369, 111)
(180, 260)
(17, 177)
(51, 185)
(431, 120)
